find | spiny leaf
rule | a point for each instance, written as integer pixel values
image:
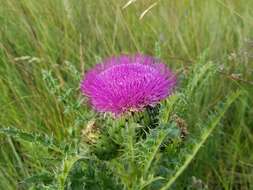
(43, 140)
(207, 132)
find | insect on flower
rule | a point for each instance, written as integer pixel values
(126, 83)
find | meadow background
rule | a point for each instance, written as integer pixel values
(60, 38)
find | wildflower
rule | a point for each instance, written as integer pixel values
(127, 83)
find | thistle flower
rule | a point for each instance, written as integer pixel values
(127, 83)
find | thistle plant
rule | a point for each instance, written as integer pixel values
(140, 135)
(167, 112)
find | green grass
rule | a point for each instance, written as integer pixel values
(60, 36)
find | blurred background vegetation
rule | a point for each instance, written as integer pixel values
(38, 35)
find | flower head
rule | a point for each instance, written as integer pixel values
(127, 83)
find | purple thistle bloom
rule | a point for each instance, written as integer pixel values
(127, 83)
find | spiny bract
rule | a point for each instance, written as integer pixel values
(127, 83)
